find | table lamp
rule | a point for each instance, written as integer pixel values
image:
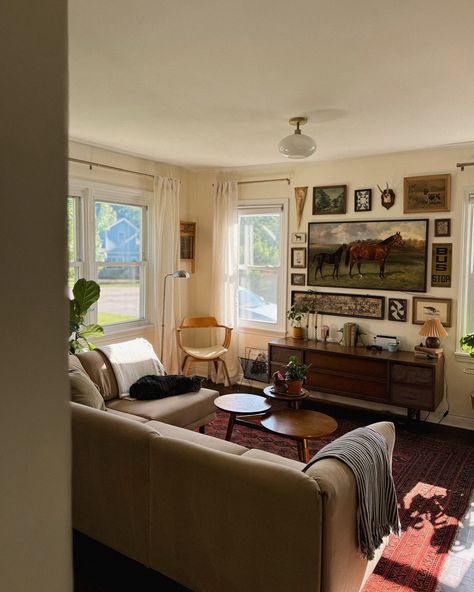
(432, 329)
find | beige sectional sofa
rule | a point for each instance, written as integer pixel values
(213, 515)
(189, 410)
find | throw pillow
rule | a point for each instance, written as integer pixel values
(157, 387)
(84, 391)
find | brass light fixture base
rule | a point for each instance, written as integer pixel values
(298, 121)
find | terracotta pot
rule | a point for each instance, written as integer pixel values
(297, 332)
(294, 387)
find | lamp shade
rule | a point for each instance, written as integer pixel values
(432, 329)
(297, 145)
(179, 274)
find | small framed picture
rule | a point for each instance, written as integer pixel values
(298, 279)
(397, 309)
(430, 193)
(329, 199)
(362, 200)
(425, 308)
(442, 227)
(298, 257)
(298, 237)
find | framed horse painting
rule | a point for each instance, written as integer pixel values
(371, 255)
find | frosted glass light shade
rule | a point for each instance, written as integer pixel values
(297, 145)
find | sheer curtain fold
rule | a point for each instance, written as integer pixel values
(167, 192)
(225, 271)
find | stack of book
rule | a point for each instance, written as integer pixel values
(428, 352)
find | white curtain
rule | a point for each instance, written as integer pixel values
(167, 248)
(225, 269)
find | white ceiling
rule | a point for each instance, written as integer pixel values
(214, 82)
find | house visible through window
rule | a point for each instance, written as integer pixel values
(108, 242)
(262, 257)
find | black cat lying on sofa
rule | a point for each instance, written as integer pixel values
(158, 387)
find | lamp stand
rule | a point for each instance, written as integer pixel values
(163, 317)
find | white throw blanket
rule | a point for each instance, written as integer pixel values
(130, 360)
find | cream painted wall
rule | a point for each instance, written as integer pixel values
(358, 173)
(35, 532)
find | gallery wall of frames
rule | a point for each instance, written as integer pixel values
(368, 257)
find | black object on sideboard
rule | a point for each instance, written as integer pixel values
(398, 378)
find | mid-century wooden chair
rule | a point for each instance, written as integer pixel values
(211, 353)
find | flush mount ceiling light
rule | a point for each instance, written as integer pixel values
(297, 145)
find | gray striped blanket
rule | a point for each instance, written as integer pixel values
(365, 452)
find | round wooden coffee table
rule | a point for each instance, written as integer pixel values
(292, 400)
(300, 425)
(240, 404)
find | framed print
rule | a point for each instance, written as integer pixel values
(362, 200)
(370, 255)
(298, 279)
(298, 237)
(441, 263)
(431, 193)
(442, 227)
(397, 309)
(425, 308)
(362, 306)
(298, 257)
(329, 199)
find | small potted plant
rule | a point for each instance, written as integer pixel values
(467, 343)
(295, 315)
(295, 375)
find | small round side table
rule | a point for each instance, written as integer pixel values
(240, 404)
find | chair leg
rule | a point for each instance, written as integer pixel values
(184, 363)
(202, 429)
(226, 372)
(187, 365)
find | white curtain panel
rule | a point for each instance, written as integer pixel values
(225, 270)
(167, 248)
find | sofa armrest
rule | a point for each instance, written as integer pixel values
(240, 523)
(339, 492)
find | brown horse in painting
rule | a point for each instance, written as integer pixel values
(360, 251)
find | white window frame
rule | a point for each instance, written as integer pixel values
(88, 194)
(78, 263)
(262, 206)
(465, 322)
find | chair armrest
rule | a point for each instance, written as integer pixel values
(227, 335)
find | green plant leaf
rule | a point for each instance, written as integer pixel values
(89, 330)
(86, 292)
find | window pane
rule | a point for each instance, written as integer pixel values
(118, 230)
(120, 294)
(258, 295)
(260, 239)
(71, 229)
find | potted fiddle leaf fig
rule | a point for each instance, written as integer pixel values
(295, 374)
(86, 293)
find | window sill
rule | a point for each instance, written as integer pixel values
(261, 331)
(463, 357)
(124, 332)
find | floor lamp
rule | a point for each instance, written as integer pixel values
(176, 274)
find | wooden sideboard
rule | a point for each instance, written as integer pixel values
(399, 378)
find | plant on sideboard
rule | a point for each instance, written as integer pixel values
(295, 315)
(86, 293)
(295, 374)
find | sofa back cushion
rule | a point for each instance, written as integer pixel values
(84, 391)
(100, 372)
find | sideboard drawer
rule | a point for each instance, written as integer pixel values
(411, 374)
(349, 365)
(361, 387)
(411, 397)
(283, 354)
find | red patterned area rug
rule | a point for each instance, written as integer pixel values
(433, 478)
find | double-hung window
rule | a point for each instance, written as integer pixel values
(262, 265)
(108, 241)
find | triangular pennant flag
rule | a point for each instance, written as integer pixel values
(300, 198)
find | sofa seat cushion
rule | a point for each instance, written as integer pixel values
(84, 391)
(172, 431)
(127, 415)
(181, 410)
(274, 458)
